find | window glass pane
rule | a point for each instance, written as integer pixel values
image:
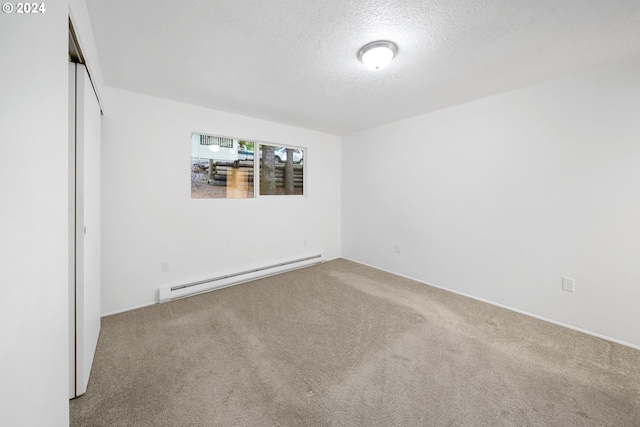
(221, 168)
(281, 170)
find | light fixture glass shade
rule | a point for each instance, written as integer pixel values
(377, 55)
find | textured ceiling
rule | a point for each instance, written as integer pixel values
(295, 61)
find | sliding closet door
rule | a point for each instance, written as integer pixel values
(72, 230)
(87, 227)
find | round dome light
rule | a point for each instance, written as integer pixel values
(377, 55)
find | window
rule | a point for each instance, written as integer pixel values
(281, 170)
(224, 168)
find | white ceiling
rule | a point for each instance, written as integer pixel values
(295, 61)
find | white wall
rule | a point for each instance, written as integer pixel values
(33, 218)
(501, 197)
(148, 215)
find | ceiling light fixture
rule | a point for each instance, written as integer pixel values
(377, 55)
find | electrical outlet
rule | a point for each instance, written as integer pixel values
(568, 284)
(397, 248)
(165, 266)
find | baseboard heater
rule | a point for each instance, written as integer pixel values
(169, 293)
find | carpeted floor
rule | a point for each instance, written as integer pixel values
(341, 344)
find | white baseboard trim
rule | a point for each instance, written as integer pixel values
(564, 325)
(122, 310)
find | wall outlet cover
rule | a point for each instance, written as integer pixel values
(568, 284)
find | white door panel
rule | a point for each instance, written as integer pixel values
(87, 228)
(72, 234)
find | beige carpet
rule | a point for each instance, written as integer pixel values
(341, 344)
